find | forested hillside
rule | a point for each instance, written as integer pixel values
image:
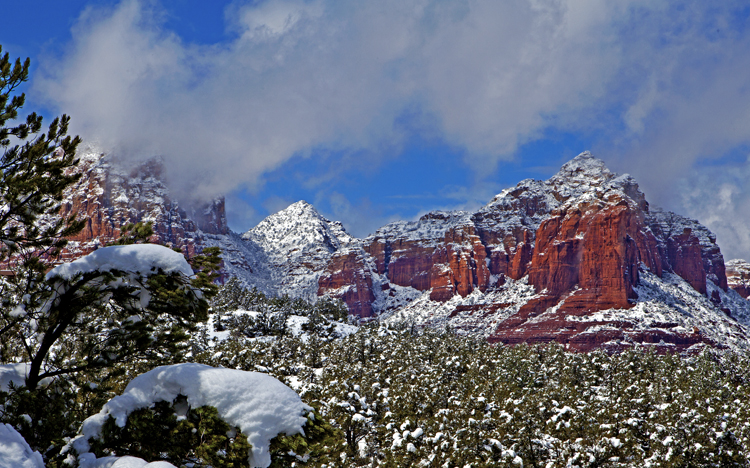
(408, 397)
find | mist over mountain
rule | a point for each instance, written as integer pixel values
(340, 94)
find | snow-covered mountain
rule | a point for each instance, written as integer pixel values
(296, 244)
(580, 259)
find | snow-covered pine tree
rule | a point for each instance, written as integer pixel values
(80, 321)
(34, 171)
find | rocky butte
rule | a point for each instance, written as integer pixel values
(108, 197)
(580, 259)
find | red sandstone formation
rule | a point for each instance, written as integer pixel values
(108, 197)
(580, 239)
(346, 274)
(738, 276)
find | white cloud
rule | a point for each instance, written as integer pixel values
(720, 197)
(326, 74)
(662, 84)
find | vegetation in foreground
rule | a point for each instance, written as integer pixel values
(433, 398)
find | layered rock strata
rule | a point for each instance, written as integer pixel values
(581, 239)
(109, 196)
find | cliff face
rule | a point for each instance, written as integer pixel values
(581, 241)
(109, 196)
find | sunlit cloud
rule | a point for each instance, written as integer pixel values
(658, 85)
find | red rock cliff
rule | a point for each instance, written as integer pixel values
(107, 197)
(580, 239)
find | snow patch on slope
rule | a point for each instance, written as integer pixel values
(429, 229)
(671, 301)
(477, 314)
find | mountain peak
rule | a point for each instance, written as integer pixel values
(300, 208)
(584, 168)
(297, 228)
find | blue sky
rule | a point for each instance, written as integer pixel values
(384, 109)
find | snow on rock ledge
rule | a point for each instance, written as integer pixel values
(141, 258)
(15, 451)
(261, 406)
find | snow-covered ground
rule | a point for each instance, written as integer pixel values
(425, 312)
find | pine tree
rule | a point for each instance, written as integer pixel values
(83, 327)
(34, 172)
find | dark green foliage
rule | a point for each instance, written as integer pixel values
(76, 329)
(48, 416)
(98, 319)
(139, 233)
(197, 436)
(207, 266)
(182, 435)
(34, 171)
(457, 401)
(316, 447)
(234, 296)
(42, 416)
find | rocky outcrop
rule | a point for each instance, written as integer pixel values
(109, 196)
(689, 249)
(348, 275)
(738, 276)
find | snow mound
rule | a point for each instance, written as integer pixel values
(127, 462)
(15, 451)
(261, 406)
(141, 258)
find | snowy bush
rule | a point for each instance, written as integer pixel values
(238, 311)
(401, 398)
(97, 319)
(193, 413)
